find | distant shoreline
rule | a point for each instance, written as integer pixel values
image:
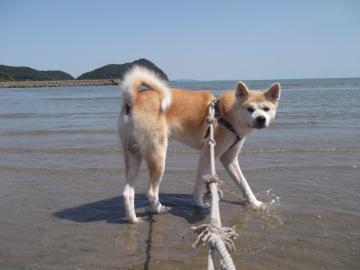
(104, 82)
(62, 83)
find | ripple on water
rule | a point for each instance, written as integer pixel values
(256, 226)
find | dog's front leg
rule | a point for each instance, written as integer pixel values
(202, 169)
(230, 161)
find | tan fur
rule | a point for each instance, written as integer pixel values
(146, 130)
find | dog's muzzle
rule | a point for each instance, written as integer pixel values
(260, 122)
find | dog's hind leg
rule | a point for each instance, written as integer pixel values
(133, 160)
(231, 164)
(156, 164)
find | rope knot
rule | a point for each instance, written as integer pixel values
(211, 142)
(205, 231)
(213, 103)
(209, 179)
(211, 120)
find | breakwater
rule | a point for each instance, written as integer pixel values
(67, 83)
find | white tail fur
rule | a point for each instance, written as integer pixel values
(138, 76)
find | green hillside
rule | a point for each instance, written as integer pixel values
(115, 71)
(9, 73)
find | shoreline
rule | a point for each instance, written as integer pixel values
(62, 83)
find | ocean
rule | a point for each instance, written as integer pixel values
(62, 175)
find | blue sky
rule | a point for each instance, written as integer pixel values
(205, 40)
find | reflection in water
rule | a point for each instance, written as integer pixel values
(129, 236)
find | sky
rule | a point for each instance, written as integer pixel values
(203, 40)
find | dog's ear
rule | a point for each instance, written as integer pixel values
(273, 93)
(241, 90)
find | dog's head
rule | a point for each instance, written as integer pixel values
(256, 109)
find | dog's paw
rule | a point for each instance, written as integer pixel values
(257, 205)
(199, 201)
(149, 209)
(203, 205)
(206, 204)
(199, 204)
(135, 220)
(161, 209)
(164, 209)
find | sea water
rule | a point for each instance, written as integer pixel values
(62, 174)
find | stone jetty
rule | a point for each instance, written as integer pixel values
(67, 83)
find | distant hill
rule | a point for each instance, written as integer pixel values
(115, 71)
(10, 73)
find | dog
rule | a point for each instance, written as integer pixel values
(150, 116)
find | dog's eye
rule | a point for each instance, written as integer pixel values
(266, 109)
(251, 109)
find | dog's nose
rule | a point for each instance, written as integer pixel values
(261, 120)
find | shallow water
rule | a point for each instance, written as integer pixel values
(62, 175)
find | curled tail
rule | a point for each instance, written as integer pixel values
(138, 76)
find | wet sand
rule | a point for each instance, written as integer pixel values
(61, 208)
(73, 218)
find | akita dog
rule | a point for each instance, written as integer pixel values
(150, 116)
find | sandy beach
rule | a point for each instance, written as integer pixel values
(62, 175)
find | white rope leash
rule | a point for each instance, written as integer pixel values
(220, 239)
